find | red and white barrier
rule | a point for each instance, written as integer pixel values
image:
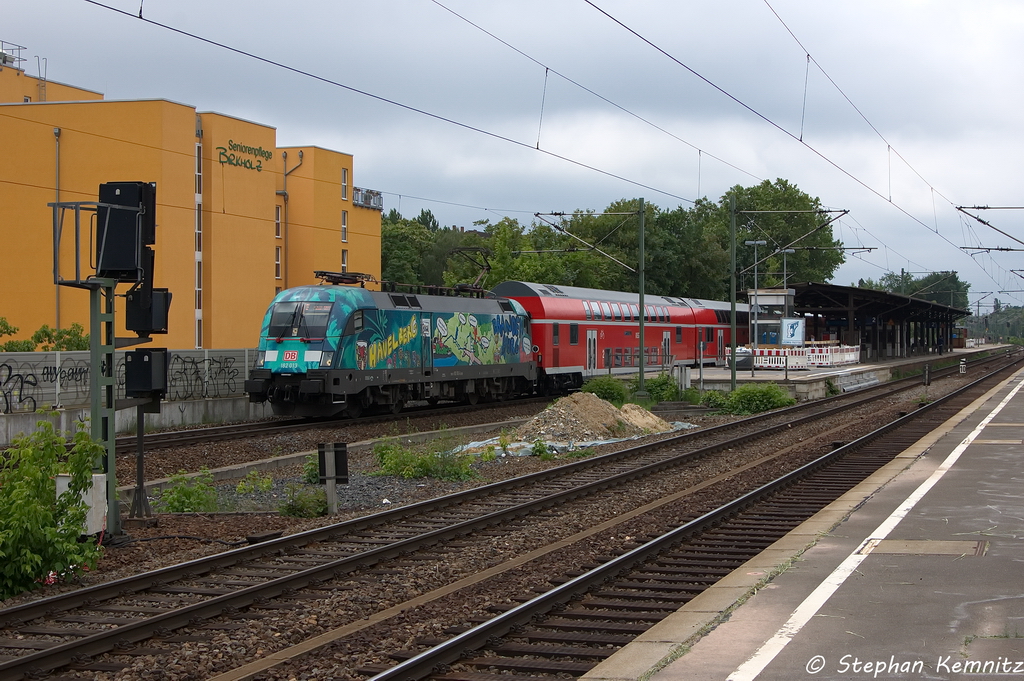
(832, 355)
(780, 358)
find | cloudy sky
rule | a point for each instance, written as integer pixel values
(898, 110)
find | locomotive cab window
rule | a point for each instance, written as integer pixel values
(314, 319)
(574, 334)
(281, 320)
(300, 320)
(355, 323)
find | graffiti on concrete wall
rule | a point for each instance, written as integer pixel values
(33, 380)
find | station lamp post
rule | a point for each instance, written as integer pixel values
(753, 347)
(785, 282)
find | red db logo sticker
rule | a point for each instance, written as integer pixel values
(291, 355)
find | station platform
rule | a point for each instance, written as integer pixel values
(916, 573)
(818, 382)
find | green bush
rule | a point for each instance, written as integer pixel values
(607, 388)
(39, 531)
(715, 399)
(755, 398)
(489, 454)
(436, 459)
(301, 501)
(662, 388)
(255, 482)
(188, 495)
(311, 470)
(690, 395)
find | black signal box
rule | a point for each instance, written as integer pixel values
(145, 320)
(122, 232)
(145, 373)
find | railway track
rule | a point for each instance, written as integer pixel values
(128, 444)
(589, 614)
(74, 630)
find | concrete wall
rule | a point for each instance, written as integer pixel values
(172, 414)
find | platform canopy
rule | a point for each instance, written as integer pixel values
(883, 324)
(829, 300)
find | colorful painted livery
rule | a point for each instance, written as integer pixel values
(329, 349)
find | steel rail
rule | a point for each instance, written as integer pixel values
(203, 565)
(434, 660)
(63, 654)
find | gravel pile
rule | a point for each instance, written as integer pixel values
(585, 417)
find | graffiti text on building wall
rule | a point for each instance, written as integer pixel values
(233, 159)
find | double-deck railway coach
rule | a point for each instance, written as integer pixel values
(580, 332)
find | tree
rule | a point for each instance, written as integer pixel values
(6, 329)
(427, 219)
(798, 230)
(402, 247)
(71, 338)
(944, 288)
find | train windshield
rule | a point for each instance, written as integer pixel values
(300, 320)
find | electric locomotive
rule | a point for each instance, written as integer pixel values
(580, 332)
(329, 349)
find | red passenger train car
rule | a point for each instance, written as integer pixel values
(580, 332)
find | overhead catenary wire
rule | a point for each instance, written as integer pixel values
(566, 78)
(386, 100)
(782, 129)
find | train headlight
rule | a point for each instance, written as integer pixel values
(261, 357)
(326, 359)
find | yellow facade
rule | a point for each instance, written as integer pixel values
(232, 228)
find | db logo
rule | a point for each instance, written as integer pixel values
(291, 355)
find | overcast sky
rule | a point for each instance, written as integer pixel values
(912, 107)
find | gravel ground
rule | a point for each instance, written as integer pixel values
(360, 595)
(354, 599)
(148, 548)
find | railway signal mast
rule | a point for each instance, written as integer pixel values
(125, 228)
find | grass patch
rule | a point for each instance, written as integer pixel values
(437, 459)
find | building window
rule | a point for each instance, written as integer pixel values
(199, 228)
(199, 333)
(344, 184)
(344, 225)
(277, 262)
(27, 99)
(277, 221)
(199, 169)
(344, 260)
